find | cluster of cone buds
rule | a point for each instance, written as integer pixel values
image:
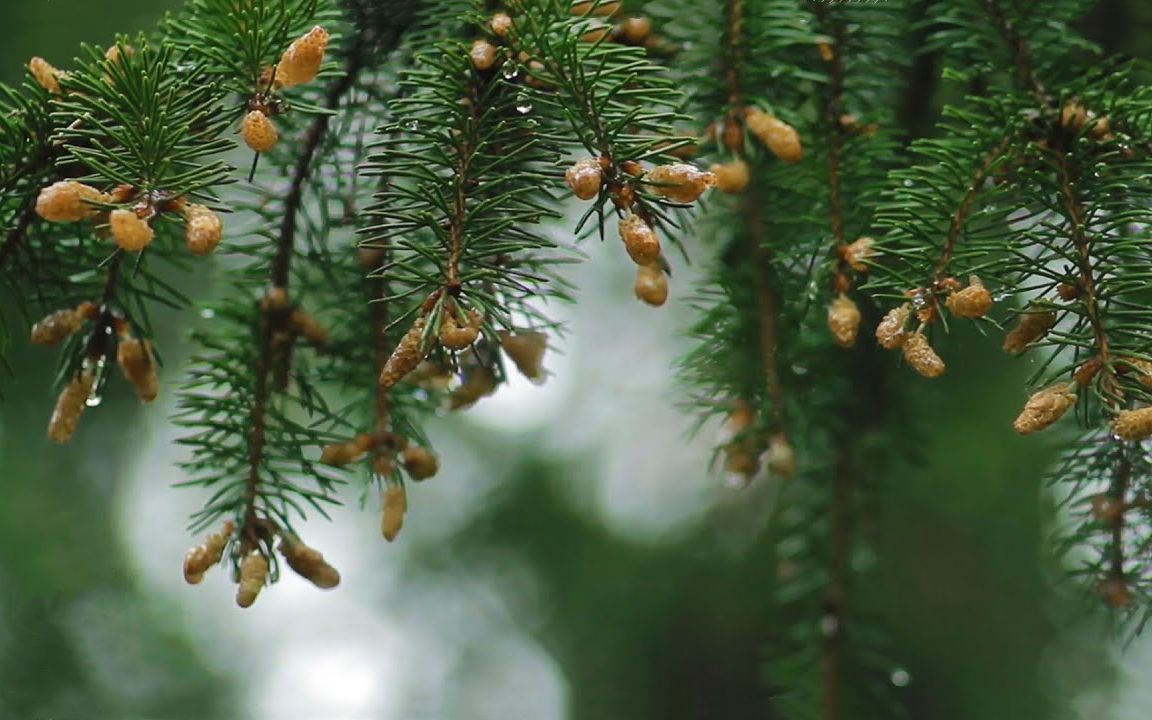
(299, 64)
(1075, 117)
(745, 451)
(129, 214)
(133, 355)
(963, 301)
(777, 136)
(678, 182)
(48, 77)
(843, 314)
(254, 570)
(418, 462)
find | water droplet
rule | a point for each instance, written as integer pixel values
(412, 125)
(207, 313)
(510, 69)
(908, 183)
(900, 677)
(799, 369)
(95, 396)
(523, 104)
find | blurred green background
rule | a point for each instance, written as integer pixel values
(574, 561)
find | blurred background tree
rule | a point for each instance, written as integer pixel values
(571, 578)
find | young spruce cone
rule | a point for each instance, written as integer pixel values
(204, 229)
(258, 132)
(131, 233)
(199, 559)
(844, 320)
(526, 350)
(69, 406)
(890, 332)
(584, 177)
(45, 75)
(859, 252)
(1031, 326)
(308, 563)
(419, 462)
(779, 137)
(405, 357)
(639, 240)
(973, 301)
(301, 61)
(139, 367)
(1133, 425)
(731, 177)
(921, 357)
(454, 336)
(68, 201)
(253, 578)
(680, 182)
(392, 517)
(62, 324)
(483, 55)
(1044, 408)
(651, 285)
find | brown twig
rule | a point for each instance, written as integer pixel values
(960, 216)
(272, 320)
(1021, 54)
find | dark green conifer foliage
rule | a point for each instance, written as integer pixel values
(396, 250)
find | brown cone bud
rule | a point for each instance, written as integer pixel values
(890, 332)
(301, 62)
(973, 301)
(1142, 369)
(308, 563)
(407, 355)
(844, 320)
(859, 252)
(419, 462)
(253, 578)
(479, 382)
(483, 55)
(341, 454)
(779, 137)
(69, 406)
(68, 201)
(651, 285)
(584, 177)
(258, 132)
(680, 182)
(303, 324)
(639, 240)
(139, 367)
(45, 75)
(395, 506)
(57, 326)
(921, 357)
(1133, 424)
(526, 350)
(201, 558)
(1031, 326)
(456, 337)
(1044, 408)
(636, 30)
(1073, 115)
(204, 229)
(500, 23)
(131, 233)
(607, 8)
(731, 177)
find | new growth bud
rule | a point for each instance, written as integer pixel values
(584, 177)
(201, 558)
(253, 578)
(844, 320)
(1044, 408)
(639, 240)
(392, 517)
(921, 357)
